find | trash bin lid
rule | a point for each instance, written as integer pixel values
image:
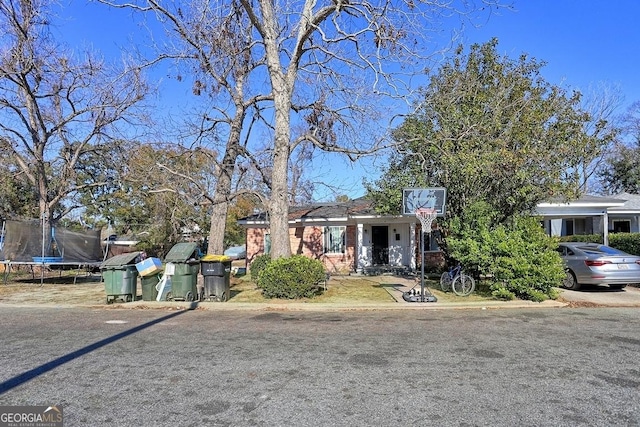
(181, 252)
(121, 260)
(215, 258)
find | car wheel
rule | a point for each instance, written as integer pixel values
(570, 281)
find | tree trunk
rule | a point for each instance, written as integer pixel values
(279, 203)
(218, 225)
(45, 218)
(223, 186)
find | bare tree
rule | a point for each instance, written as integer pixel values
(213, 44)
(600, 103)
(621, 170)
(56, 108)
(322, 67)
(349, 53)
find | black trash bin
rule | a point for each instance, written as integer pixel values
(120, 277)
(186, 264)
(216, 270)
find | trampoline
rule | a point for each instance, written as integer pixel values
(27, 243)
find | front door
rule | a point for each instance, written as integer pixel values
(380, 243)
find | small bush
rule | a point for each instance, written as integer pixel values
(516, 253)
(499, 291)
(626, 242)
(584, 238)
(294, 277)
(258, 265)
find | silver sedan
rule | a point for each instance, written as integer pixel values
(595, 264)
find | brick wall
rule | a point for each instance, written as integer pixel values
(308, 241)
(255, 243)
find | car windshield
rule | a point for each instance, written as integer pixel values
(601, 250)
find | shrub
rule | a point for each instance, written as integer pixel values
(294, 277)
(500, 291)
(258, 264)
(585, 238)
(627, 242)
(517, 253)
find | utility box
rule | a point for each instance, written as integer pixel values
(184, 282)
(120, 277)
(216, 270)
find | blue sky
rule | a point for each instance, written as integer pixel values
(587, 45)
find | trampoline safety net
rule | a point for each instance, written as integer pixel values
(22, 241)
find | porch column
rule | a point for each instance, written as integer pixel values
(605, 228)
(359, 249)
(412, 245)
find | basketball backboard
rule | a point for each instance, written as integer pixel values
(423, 198)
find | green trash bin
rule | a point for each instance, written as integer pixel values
(149, 287)
(120, 277)
(186, 264)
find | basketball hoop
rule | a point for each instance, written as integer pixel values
(426, 217)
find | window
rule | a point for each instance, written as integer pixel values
(334, 240)
(569, 226)
(431, 241)
(621, 226)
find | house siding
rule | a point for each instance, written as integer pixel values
(255, 243)
(308, 241)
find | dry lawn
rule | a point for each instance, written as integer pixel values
(350, 289)
(339, 290)
(57, 292)
(77, 288)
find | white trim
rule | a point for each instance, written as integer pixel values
(360, 260)
(303, 220)
(627, 212)
(580, 204)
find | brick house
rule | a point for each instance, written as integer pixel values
(350, 237)
(347, 237)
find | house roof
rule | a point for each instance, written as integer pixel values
(327, 211)
(585, 205)
(631, 204)
(585, 200)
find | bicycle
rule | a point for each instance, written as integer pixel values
(456, 280)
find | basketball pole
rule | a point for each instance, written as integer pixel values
(421, 264)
